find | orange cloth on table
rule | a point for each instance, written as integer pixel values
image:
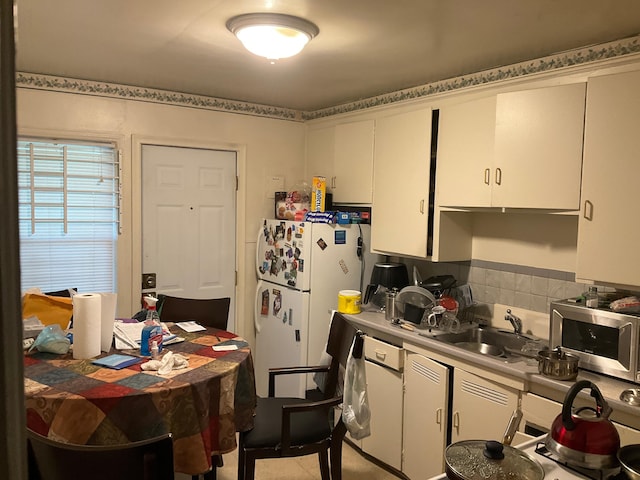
(49, 310)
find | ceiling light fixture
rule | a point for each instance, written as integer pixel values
(272, 35)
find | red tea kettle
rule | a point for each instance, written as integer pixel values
(585, 440)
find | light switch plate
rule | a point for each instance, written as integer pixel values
(274, 183)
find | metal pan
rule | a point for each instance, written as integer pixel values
(629, 458)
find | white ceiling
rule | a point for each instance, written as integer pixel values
(365, 47)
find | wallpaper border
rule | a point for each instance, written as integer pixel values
(580, 56)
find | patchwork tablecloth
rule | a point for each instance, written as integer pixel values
(202, 406)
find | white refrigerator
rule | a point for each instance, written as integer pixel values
(301, 267)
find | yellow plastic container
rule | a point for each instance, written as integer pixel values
(349, 301)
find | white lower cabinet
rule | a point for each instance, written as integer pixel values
(424, 436)
(384, 390)
(481, 409)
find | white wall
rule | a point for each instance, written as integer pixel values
(266, 147)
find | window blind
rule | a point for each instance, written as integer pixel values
(69, 207)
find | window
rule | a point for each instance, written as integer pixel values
(69, 203)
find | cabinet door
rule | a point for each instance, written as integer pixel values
(465, 154)
(353, 163)
(608, 231)
(424, 436)
(538, 148)
(320, 152)
(481, 409)
(384, 390)
(401, 183)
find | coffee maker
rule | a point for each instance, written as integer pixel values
(385, 276)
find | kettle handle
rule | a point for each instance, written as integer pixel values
(603, 407)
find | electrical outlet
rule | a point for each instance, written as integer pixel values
(274, 183)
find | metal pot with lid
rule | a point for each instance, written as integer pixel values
(489, 460)
(558, 364)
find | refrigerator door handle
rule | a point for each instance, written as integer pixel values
(256, 307)
(258, 252)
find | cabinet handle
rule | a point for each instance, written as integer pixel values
(487, 176)
(422, 206)
(333, 182)
(439, 417)
(588, 210)
(456, 421)
(498, 176)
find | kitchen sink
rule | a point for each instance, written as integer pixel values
(490, 341)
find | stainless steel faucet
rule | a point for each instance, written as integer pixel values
(515, 321)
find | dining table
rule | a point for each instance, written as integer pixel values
(202, 405)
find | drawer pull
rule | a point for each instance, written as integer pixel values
(381, 354)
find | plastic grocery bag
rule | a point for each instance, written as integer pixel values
(355, 404)
(51, 339)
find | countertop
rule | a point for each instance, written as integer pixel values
(373, 322)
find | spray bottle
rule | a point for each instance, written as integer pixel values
(152, 331)
(152, 312)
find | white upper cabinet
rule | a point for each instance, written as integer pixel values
(344, 155)
(400, 210)
(608, 230)
(320, 152)
(515, 150)
(538, 149)
(465, 153)
(353, 163)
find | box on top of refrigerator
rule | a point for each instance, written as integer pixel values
(318, 193)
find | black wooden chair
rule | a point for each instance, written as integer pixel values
(291, 427)
(210, 312)
(144, 460)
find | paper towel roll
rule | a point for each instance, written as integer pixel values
(107, 317)
(87, 313)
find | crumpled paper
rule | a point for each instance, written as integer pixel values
(170, 361)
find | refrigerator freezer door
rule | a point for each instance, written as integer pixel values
(282, 338)
(281, 253)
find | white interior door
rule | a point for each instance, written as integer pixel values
(189, 222)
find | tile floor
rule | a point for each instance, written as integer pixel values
(354, 467)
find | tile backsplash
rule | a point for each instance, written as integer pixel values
(515, 285)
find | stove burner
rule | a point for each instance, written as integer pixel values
(606, 474)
